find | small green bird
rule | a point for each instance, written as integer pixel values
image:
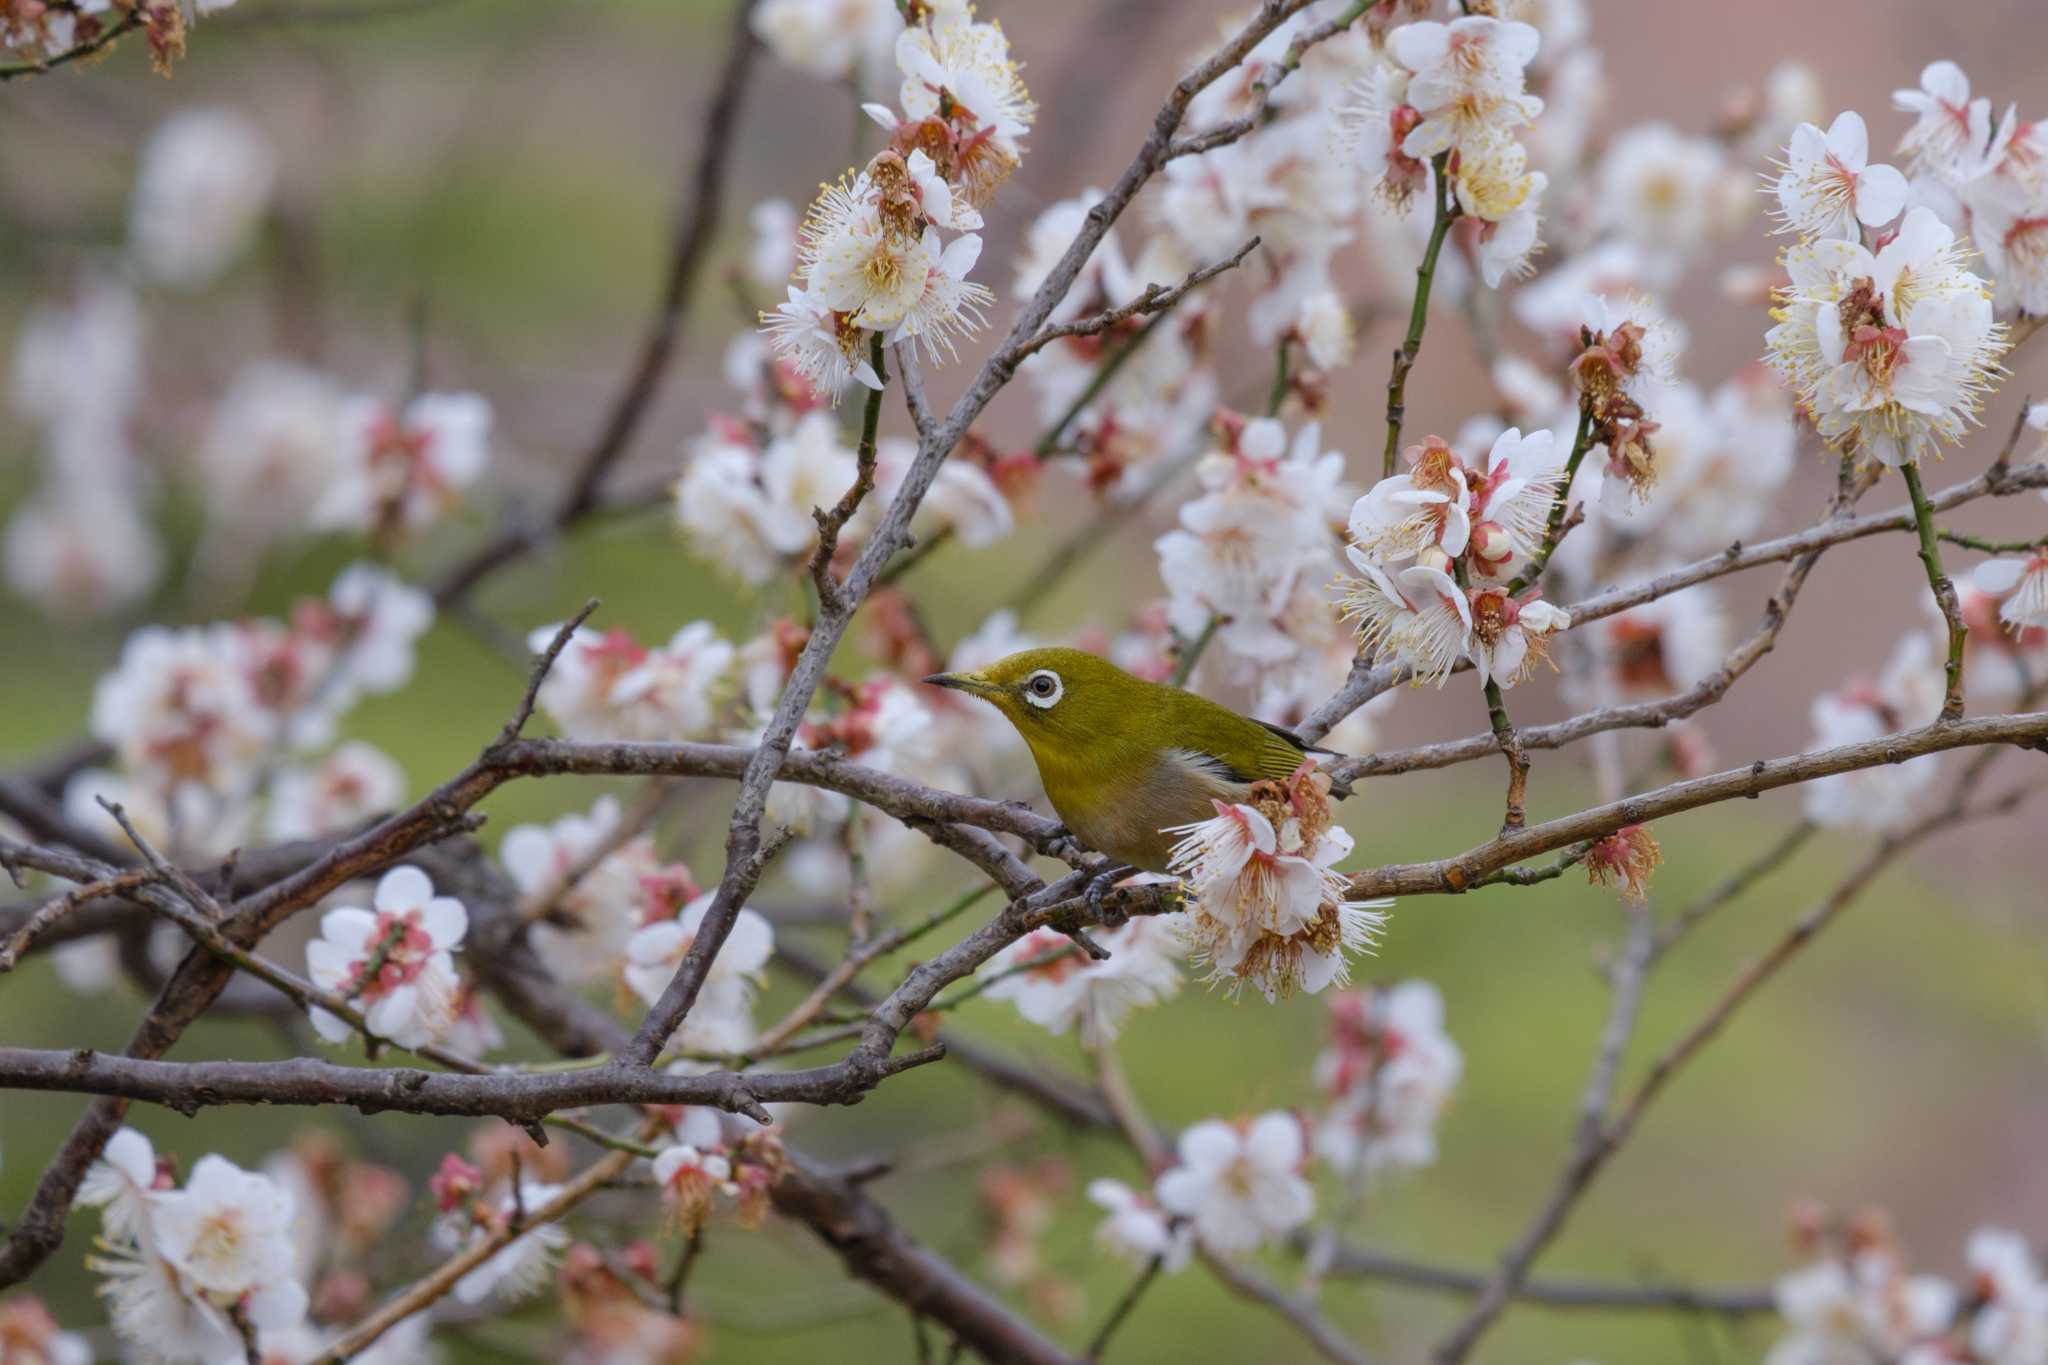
(1124, 760)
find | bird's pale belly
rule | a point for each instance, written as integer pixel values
(1129, 823)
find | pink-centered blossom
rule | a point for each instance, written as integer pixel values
(393, 961)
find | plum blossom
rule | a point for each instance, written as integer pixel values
(1466, 80)
(1829, 188)
(2022, 587)
(688, 1178)
(1856, 1308)
(749, 508)
(1064, 988)
(1510, 635)
(958, 73)
(402, 470)
(830, 39)
(1427, 508)
(394, 962)
(179, 1262)
(74, 552)
(1663, 191)
(722, 1019)
(521, 1268)
(1891, 351)
(584, 931)
(1260, 523)
(271, 448)
(1137, 1229)
(122, 1185)
(335, 793)
(607, 685)
(205, 182)
(1239, 1185)
(1663, 646)
(2011, 1328)
(1325, 330)
(1418, 616)
(1388, 1072)
(180, 708)
(1951, 131)
(1908, 694)
(1267, 909)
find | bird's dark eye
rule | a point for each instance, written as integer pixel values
(1043, 688)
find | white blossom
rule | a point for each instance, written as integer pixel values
(1389, 1073)
(394, 962)
(1892, 352)
(1908, 694)
(335, 793)
(206, 180)
(831, 39)
(1137, 1229)
(2022, 586)
(522, 1267)
(1066, 988)
(606, 685)
(722, 1018)
(584, 935)
(404, 470)
(1239, 1185)
(1829, 188)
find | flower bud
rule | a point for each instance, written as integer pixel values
(1433, 557)
(1491, 543)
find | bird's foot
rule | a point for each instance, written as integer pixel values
(1100, 885)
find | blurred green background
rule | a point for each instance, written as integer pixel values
(511, 167)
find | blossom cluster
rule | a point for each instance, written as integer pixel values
(873, 264)
(1856, 1300)
(1440, 551)
(1236, 1186)
(190, 1270)
(1892, 342)
(1266, 907)
(213, 727)
(288, 451)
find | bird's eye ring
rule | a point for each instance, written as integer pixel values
(1042, 689)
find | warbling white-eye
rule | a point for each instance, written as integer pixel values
(1122, 759)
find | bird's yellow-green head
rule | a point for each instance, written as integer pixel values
(1123, 760)
(1059, 699)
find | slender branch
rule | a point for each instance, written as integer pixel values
(1765, 863)
(1191, 651)
(695, 228)
(1943, 590)
(1099, 1343)
(437, 1284)
(1456, 874)
(1587, 1149)
(1298, 1310)
(1554, 525)
(128, 22)
(1418, 312)
(831, 523)
(1097, 382)
(1155, 298)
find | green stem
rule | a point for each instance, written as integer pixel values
(1191, 654)
(1531, 876)
(1418, 313)
(1511, 749)
(1100, 1342)
(1278, 394)
(1553, 528)
(1943, 590)
(1050, 441)
(1994, 547)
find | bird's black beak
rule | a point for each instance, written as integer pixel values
(962, 682)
